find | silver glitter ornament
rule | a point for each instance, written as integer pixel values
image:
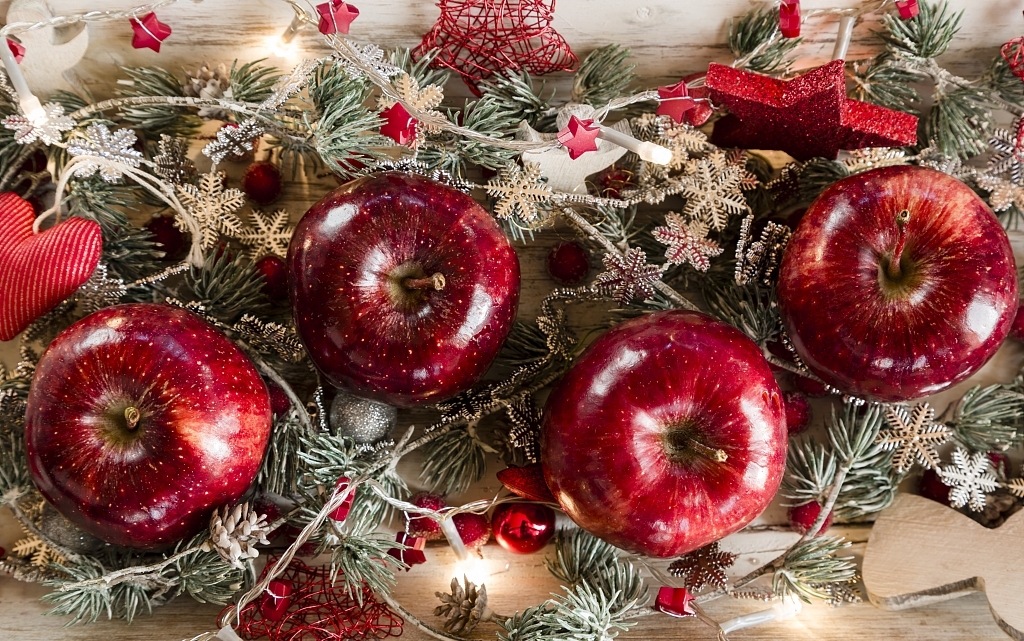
(360, 419)
(63, 532)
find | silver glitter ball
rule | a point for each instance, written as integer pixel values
(63, 532)
(360, 419)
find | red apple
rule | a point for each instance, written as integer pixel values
(142, 419)
(898, 283)
(403, 289)
(651, 449)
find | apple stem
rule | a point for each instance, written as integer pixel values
(710, 452)
(435, 281)
(131, 417)
(902, 218)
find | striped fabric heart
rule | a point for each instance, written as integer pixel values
(38, 271)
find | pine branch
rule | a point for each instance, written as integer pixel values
(989, 418)
(364, 560)
(227, 286)
(526, 343)
(14, 476)
(583, 559)
(811, 563)
(581, 614)
(959, 122)
(252, 82)
(340, 133)
(157, 119)
(882, 83)
(421, 70)
(1003, 82)
(280, 468)
(453, 462)
(752, 309)
(515, 94)
(756, 42)
(926, 36)
(603, 76)
(810, 472)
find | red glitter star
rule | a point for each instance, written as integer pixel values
(675, 101)
(477, 38)
(400, 126)
(579, 137)
(149, 32)
(807, 117)
(335, 17)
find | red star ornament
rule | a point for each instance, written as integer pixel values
(674, 602)
(675, 101)
(17, 49)
(807, 117)
(399, 125)
(149, 32)
(789, 18)
(335, 17)
(908, 9)
(477, 38)
(579, 137)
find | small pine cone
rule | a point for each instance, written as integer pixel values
(234, 533)
(464, 608)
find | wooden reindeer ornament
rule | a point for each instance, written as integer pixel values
(921, 552)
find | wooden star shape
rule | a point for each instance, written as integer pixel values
(675, 101)
(399, 125)
(579, 137)
(149, 32)
(807, 117)
(335, 17)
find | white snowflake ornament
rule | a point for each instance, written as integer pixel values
(113, 152)
(47, 129)
(233, 141)
(970, 479)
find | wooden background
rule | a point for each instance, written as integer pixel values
(669, 38)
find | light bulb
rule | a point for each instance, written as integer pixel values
(473, 569)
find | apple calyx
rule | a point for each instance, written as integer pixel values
(681, 445)
(131, 417)
(894, 270)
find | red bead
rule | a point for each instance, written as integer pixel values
(809, 386)
(568, 263)
(1000, 464)
(17, 49)
(908, 8)
(523, 528)
(931, 487)
(413, 553)
(275, 600)
(340, 513)
(474, 529)
(527, 481)
(262, 182)
(275, 277)
(802, 517)
(422, 526)
(279, 401)
(789, 18)
(169, 239)
(674, 602)
(798, 412)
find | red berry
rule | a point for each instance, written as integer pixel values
(809, 386)
(568, 263)
(422, 526)
(612, 181)
(279, 401)
(263, 505)
(473, 529)
(275, 277)
(1001, 464)
(169, 239)
(798, 412)
(1017, 329)
(802, 517)
(523, 528)
(262, 182)
(931, 487)
(34, 163)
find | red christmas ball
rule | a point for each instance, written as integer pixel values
(262, 182)
(474, 530)
(422, 526)
(798, 412)
(931, 487)
(802, 517)
(1001, 464)
(169, 239)
(279, 401)
(1017, 329)
(275, 277)
(568, 263)
(523, 528)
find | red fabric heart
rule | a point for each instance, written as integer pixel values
(38, 271)
(527, 482)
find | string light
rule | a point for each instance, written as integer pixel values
(30, 105)
(466, 564)
(787, 608)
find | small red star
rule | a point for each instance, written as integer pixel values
(675, 101)
(335, 17)
(400, 126)
(412, 554)
(789, 18)
(579, 137)
(809, 116)
(17, 49)
(908, 8)
(149, 32)
(674, 602)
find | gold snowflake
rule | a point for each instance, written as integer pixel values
(424, 99)
(518, 191)
(40, 554)
(913, 436)
(713, 190)
(268, 234)
(212, 206)
(873, 157)
(1003, 193)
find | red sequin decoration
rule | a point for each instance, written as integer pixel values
(1013, 53)
(318, 608)
(477, 38)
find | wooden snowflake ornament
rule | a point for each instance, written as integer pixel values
(519, 191)
(268, 234)
(212, 206)
(913, 436)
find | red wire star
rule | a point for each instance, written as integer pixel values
(477, 38)
(579, 137)
(335, 17)
(149, 32)
(809, 116)
(400, 126)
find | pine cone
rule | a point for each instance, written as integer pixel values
(234, 534)
(464, 608)
(209, 84)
